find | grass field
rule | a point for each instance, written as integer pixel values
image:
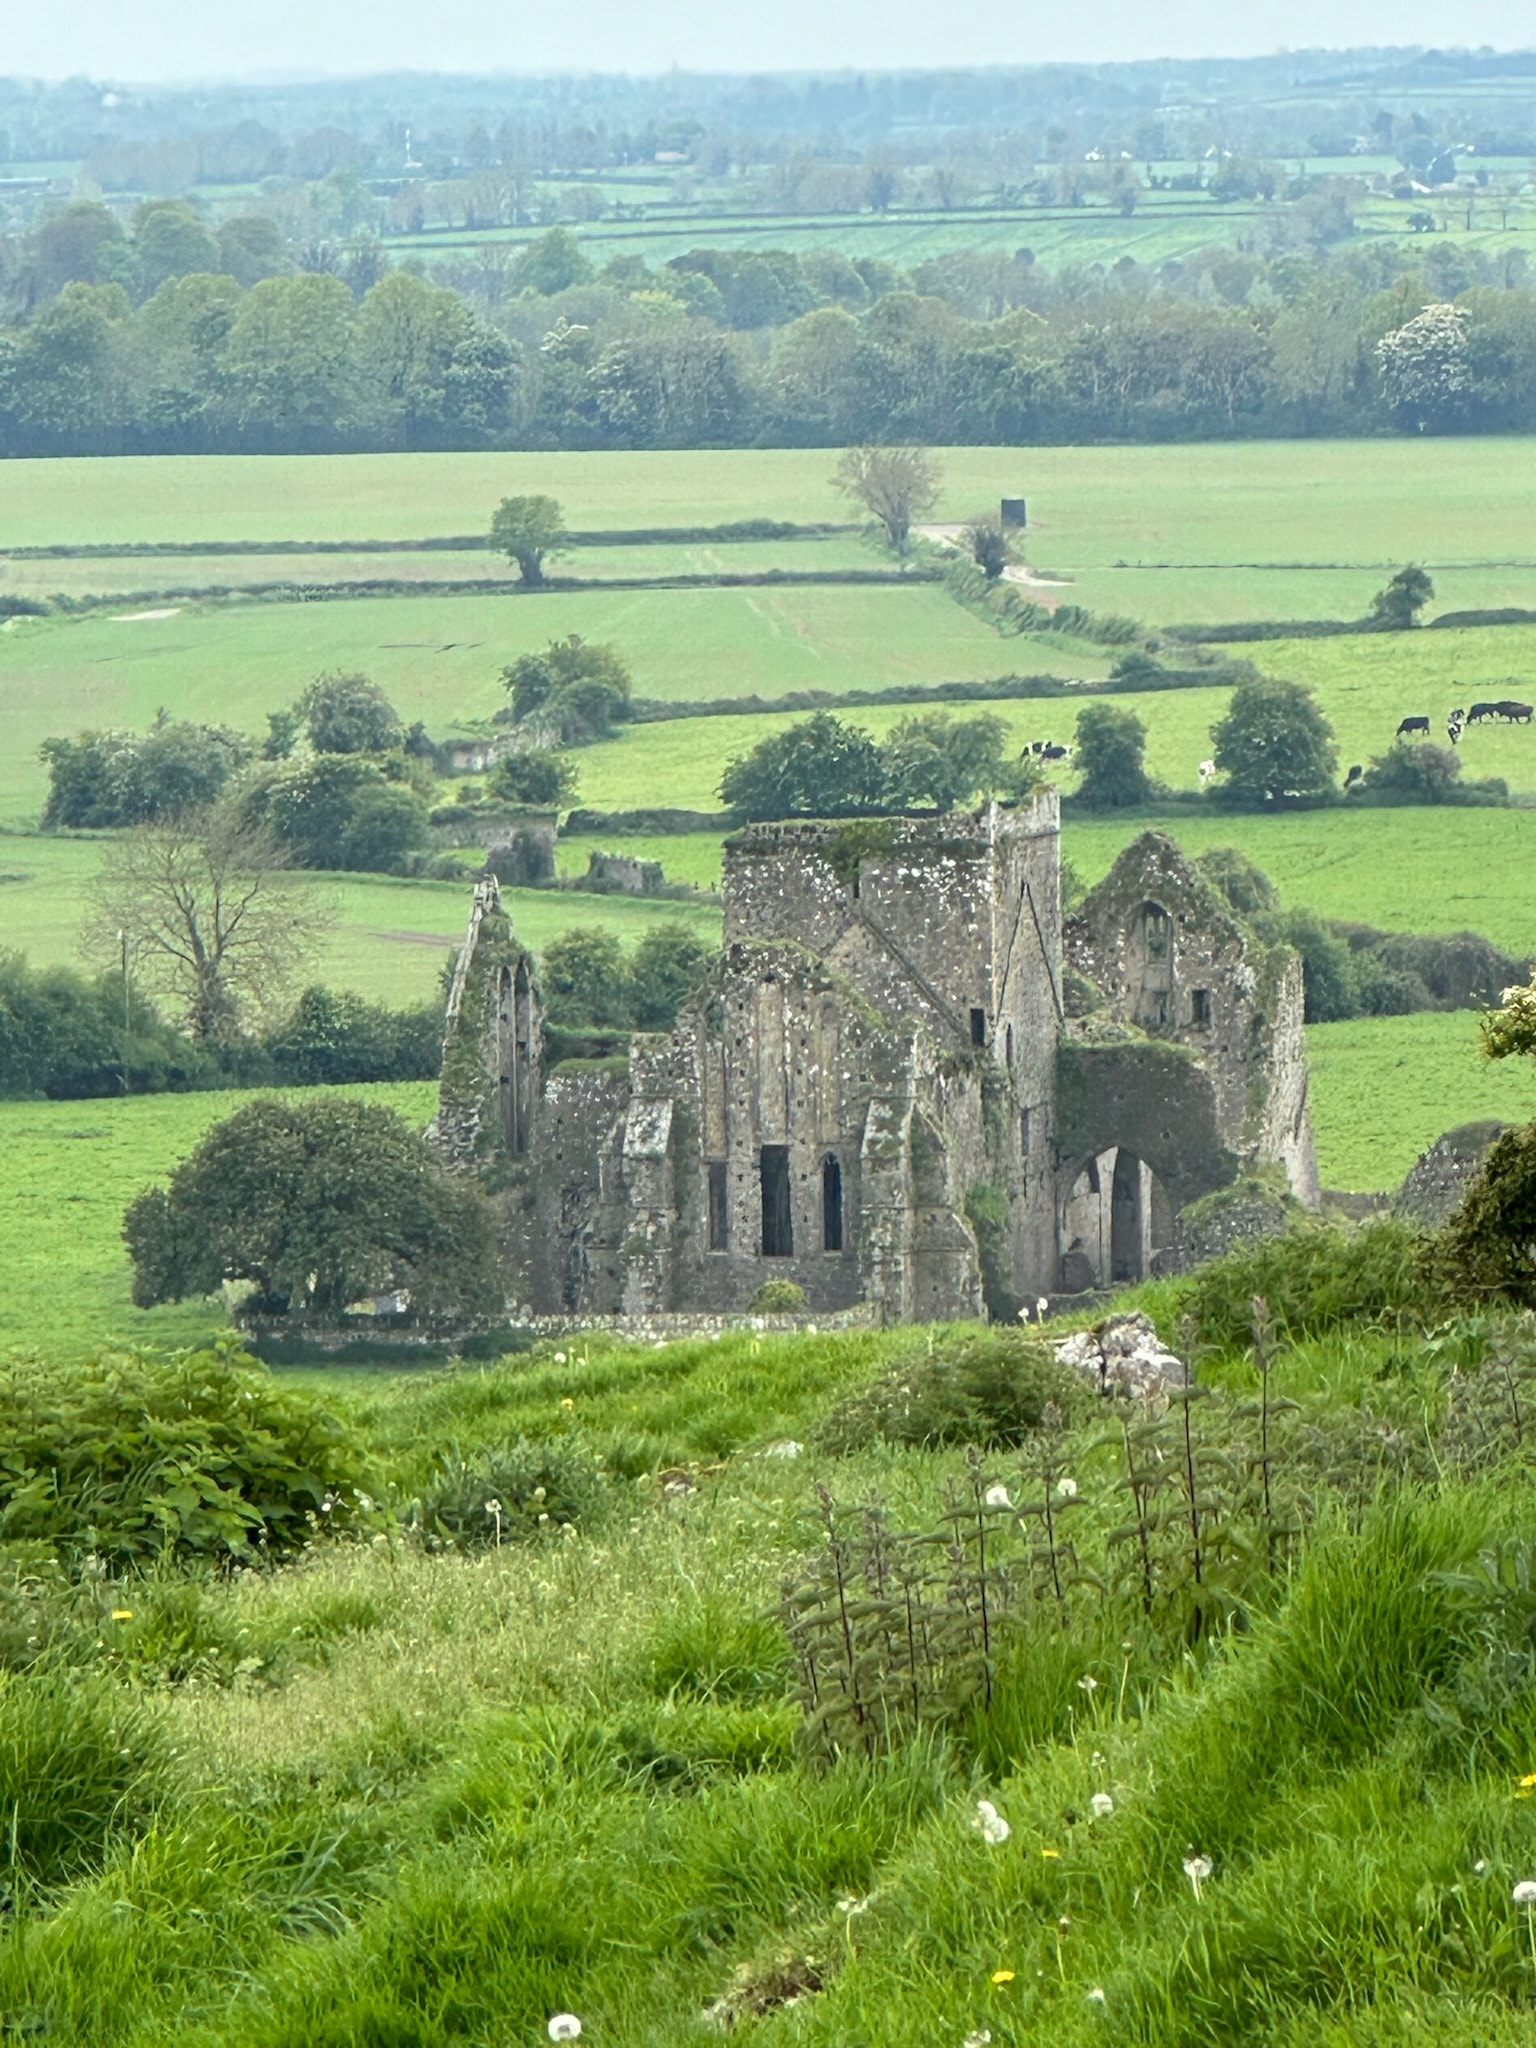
(1384, 1088)
(1333, 504)
(388, 937)
(71, 1168)
(440, 658)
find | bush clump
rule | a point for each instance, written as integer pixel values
(966, 1385)
(1315, 1278)
(777, 1298)
(522, 1490)
(130, 1459)
(1489, 1245)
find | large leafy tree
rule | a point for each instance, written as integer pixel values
(574, 692)
(934, 760)
(821, 769)
(1399, 603)
(1111, 745)
(316, 1204)
(348, 714)
(527, 531)
(1274, 743)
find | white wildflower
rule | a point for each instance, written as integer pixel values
(1096, 1995)
(989, 1823)
(560, 1360)
(997, 1497)
(1103, 1806)
(982, 2038)
(565, 2027)
(848, 1905)
(1198, 1868)
(1088, 1683)
(1066, 1489)
(1525, 1892)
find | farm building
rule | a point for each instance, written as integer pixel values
(909, 1084)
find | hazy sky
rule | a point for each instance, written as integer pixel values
(144, 39)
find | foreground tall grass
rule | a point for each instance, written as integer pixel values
(441, 1779)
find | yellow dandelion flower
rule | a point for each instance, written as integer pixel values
(122, 1614)
(1002, 1976)
(567, 1402)
(1053, 1854)
(1528, 1784)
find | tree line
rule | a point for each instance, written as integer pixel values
(173, 338)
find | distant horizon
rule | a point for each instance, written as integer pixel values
(179, 44)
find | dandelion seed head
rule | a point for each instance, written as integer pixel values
(1087, 1683)
(989, 1823)
(1096, 1995)
(1524, 1893)
(1066, 1488)
(1103, 1806)
(849, 1905)
(565, 2027)
(997, 1497)
(559, 1358)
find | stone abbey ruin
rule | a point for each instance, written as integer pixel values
(910, 1085)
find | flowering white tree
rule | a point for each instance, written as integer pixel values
(1426, 368)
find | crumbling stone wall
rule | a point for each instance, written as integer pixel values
(880, 1095)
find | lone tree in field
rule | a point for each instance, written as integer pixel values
(206, 913)
(1111, 744)
(896, 485)
(528, 531)
(1274, 743)
(575, 692)
(317, 1204)
(1399, 604)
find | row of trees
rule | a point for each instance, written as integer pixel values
(739, 348)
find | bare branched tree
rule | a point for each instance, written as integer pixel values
(209, 916)
(898, 485)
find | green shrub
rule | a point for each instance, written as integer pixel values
(79, 1763)
(1489, 1245)
(523, 1490)
(131, 1458)
(1316, 1278)
(964, 1385)
(777, 1298)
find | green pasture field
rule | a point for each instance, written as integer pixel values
(1352, 504)
(107, 575)
(71, 1168)
(1384, 1088)
(1425, 870)
(1365, 684)
(388, 937)
(439, 658)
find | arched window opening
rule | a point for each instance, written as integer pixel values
(778, 1216)
(831, 1204)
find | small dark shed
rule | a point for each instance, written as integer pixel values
(1015, 512)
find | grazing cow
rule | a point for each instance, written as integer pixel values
(1513, 712)
(1481, 711)
(1413, 725)
(1354, 775)
(1051, 752)
(1453, 729)
(1041, 746)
